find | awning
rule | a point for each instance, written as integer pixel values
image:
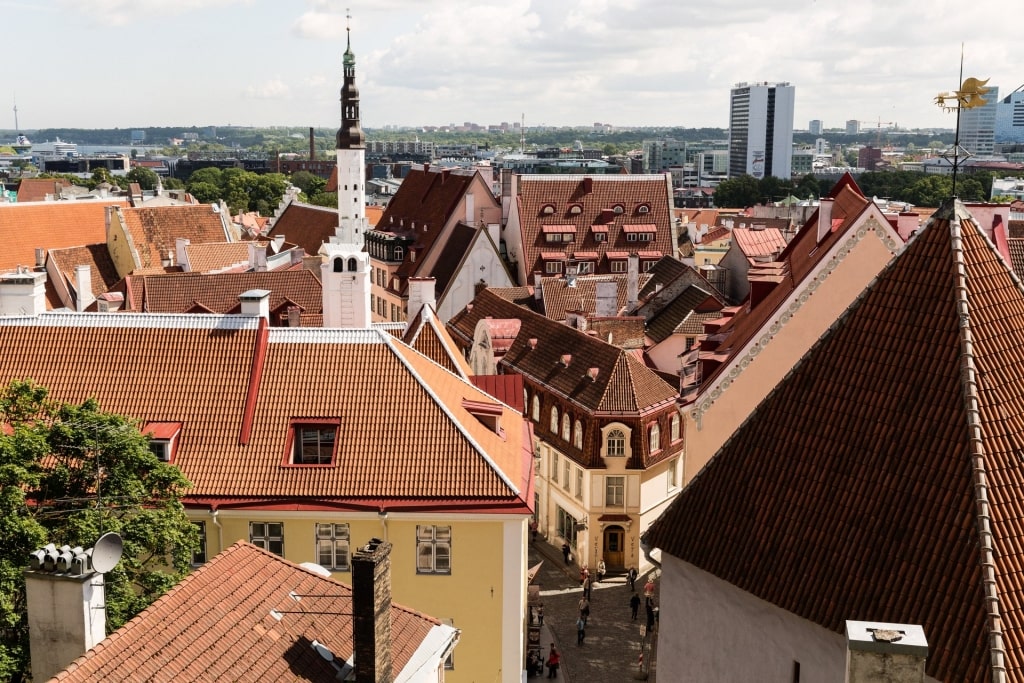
(617, 254)
(548, 229)
(644, 227)
(598, 228)
(585, 255)
(553, 255)
(649, 254)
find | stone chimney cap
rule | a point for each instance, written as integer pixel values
(886, 638)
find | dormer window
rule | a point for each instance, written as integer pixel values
(399, 253)
(163, 439)
(615, 443)
(547, 209)
(554, 419)
(313, 441)
(575, 209)
(618, 209)
(643, 208)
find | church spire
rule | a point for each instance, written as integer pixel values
(350, 135)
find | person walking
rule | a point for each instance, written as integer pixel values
(586, 587)
(634, 605)
(649, 587)
(581, 631)
(631, 578)
(567, 553)
(584, 606)
(540, 614)
(554, 659)
(650, 615)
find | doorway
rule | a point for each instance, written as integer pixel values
(614, 547)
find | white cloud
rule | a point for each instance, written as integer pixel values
(268, 90)
(122, 12)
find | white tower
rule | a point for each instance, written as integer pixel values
(346, 268)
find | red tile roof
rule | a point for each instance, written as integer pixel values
(880, 461)
(754, 243)
(560, 298)
(103, 274)
(428, 336)
(595, 208)
(217, 625)
(198, 370)
(306, 225)
(37, 189)
(219, 256)
(52, 225)
(506, 388)
(155, 230)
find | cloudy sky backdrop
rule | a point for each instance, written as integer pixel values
(132, 63)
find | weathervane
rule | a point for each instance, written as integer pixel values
(969, 96)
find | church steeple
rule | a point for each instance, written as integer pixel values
(350, 135)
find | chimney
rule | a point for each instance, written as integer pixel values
(180, 243)
(469, 208)
(83, 287)
(23, 292)
(257, 257)
(64, 600)
(824, 217)
(297, 254)
(278, 243)
(588, 184)
(255, 303)
(40, 257)
(294, 316)
(371, 612)
(421, 293)
(607, 299)
(312, 145)
(877, 651)
(632, 281)
(538, 290)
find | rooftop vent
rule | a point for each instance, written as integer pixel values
(592, 373)
(532, 341)
(566, 359)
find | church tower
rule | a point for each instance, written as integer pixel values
(346, 267)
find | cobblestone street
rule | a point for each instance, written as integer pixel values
(611, 650)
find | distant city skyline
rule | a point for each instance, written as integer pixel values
(141, 63)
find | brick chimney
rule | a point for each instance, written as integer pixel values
(877, 651)
(371, 612)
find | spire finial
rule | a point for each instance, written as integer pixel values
(348, 28)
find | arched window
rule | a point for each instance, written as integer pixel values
(675, 428)
(615, 443)
(577, 435)
(339, 265)
(535, 413)
(554, 419)
(352, 265)
(565, 426)
(399, 253)
(654, 435)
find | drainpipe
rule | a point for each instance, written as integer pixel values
(220, 531)
(383, 514)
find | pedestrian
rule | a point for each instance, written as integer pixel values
(634, 605)
(650, 616)
(584, 572)
(533, 530)
(601, 570)
(554, 659)
(581, 631)
(540, 614)
(584, 606)
(631, 578)
(649, 587)
(586, 587)
(567, 553)
(534, 665)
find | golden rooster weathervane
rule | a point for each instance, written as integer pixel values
(970, 95)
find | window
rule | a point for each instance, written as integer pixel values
(618, 266)
(673, 476)
(161, 448)
(313, 444)
(554, 466)
(674, 427)
(585, 267)
(553, 267)
(568, 237)
(618, 208)
(616, 443)
(547, 209)
(352, 265)
(536, 409)
(575, 209)
(654, 437)
(579, 483)
(199, 556)
(565, 427)
(433, 549)
(600, 237)
(566, 470)
(565, 524)
(268, 535)
(577, 435)
(399, 253)
(615, 491)
(643, 208)
(339, 265)
(449, 661)
(373, 302)
(554, 419)
(647, 265)
(553, 237)
(332, 546)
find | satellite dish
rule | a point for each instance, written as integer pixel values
(316, 569)
(321, 650)
(106, 552)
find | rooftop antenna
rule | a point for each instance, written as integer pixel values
(968, 96)
(16, 129)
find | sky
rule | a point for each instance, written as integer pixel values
(136, 63)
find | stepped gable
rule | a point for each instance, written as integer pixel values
(584, 202)
(306, 225)
(217, 624)
(878, 465)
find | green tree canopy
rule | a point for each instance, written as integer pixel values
(68, 474)
(145, 177)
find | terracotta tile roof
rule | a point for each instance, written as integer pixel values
(560, 298)
(373, 213)
(506, 388)
(860, 469)
(234, 438)
(574, 205)
(665, 321)
(623, 383)
(217, 624)
(306, 225)
(36, 189)
(154, 230)
(522, 296)
(96, 256)
(52, 225)
(715, 234)
(428, 336)
(754, 243)
(219, 256)
(181, 292)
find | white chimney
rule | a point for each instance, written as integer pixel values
(278, 243)
(632, 281)
(607, 299)
(179, 248)
(83, 288)
(257, 257)
(538, 290)
(255, 303)
(40, 257)
(421, 293)
(877, 651)
(297, 254)
(109, 302)
(824, 217)
(469, 208)
(23, 293)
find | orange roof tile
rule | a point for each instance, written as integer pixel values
(219, 256)
(217, 624)
(306, 225)
(181, 292)
(428, 336)
(560, 298)
(899, 435)
(754, 243)
(103, 274)
(51, 225)
(37, 189)
(154, 230)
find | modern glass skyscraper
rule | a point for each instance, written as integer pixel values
(978, 125)
(1010, 118)
(761, 129)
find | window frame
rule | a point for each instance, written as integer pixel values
(297, 426)
(615, 491)
(654, 437)
(267, 538)
(535, 408)
(618, 265)
(618, 437)
(553, 267)
(433, 541)
(333, 538)
(554, 420)
(577, 435)
(675, 429)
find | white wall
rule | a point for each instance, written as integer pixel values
(482, 261)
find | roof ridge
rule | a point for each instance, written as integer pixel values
(979, 474)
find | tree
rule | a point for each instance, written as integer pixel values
(145, 177)
(738, 193)
(69, 473)
(309, 183)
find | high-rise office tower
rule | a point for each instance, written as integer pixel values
(978, 125)
(815, 127)
(1010, 118)
(761, 129)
